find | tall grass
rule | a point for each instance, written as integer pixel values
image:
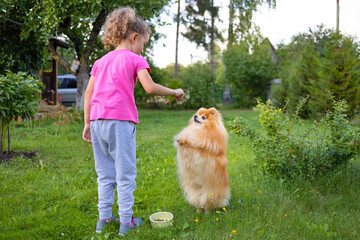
(54, 196)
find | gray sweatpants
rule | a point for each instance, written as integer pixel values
(115, 164)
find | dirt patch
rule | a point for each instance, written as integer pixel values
(8, 156)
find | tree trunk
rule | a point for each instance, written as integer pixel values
(231, 20)
(176, 66)
(2, 135)
(9, 139)
(83, 79)
(231, 41)
(337, 16)
(83, 73)
(212, 43)
(83, 52)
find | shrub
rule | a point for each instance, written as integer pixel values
(287, 148)
(198, 85)
(57, 115)
(17, 99)
(248, 70)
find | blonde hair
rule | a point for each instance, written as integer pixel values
(120, 24)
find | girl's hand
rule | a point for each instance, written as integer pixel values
(86, 133)
(179, 94)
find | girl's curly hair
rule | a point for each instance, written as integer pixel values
(121, 23)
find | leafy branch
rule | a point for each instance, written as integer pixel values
(18, 98)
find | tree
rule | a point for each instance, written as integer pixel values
(299, 73)
(79, 24)
(240, 23)
(176, 67)
(337, 16)
(231, 37)
(17, 99)
(196, 79)
(248, 72)
(243, 10)
(17, 54)
(200, 19)
(317, 62)
(340, 69)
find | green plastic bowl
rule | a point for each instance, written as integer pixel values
(161, 219)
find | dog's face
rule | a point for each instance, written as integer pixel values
(205, 117)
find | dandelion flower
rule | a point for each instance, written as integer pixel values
(196, 220)
(217, 219)
(285, 215)
(217, 211)
(259, 192)
(233, 231)
(210, 195)
(224, 209)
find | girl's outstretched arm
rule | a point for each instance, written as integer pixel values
(156, 89)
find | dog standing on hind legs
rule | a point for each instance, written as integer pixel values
(202, 162)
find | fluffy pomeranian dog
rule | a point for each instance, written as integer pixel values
(202, 162)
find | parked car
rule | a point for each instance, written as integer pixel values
(67, 87)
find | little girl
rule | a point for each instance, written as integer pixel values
(111, 115)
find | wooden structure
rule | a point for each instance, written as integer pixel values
(49, 78)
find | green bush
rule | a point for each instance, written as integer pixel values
(316, 61)
(17, 99)
(248, 70)
(287, 147)
(199, 87)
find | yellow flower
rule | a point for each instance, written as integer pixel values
(217, 219)
(259, 192)
(196, 220)
(210, 195)
(224, 209)
(217, 211)
(234, 231)
(285, 215)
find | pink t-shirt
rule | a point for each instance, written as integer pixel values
(115, 79)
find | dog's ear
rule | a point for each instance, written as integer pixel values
(212, 110)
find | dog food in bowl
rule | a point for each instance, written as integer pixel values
(161, 219)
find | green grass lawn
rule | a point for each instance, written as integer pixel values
(54, 196)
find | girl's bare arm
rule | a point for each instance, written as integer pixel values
(156, 89)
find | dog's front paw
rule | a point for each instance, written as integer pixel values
(180, 141)
(200, 210)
